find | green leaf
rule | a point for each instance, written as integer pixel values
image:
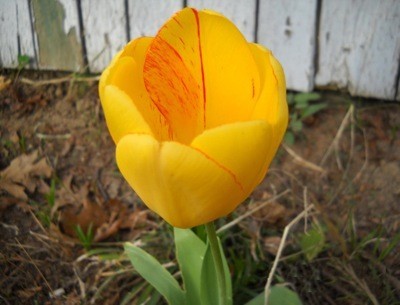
(279, 295)
(23, 60)
(190, 251)
(312, 242)
(209, 284)
(289, 138)
(305, 98)
(290, 98)
(296, 126)
(154, 273)
(393, 243)
(312, 109)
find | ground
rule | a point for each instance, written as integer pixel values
(58, 174)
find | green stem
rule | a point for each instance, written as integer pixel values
(216, 253)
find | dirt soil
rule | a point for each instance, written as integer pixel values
(57, 171)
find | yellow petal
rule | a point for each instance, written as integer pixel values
(272, 104)
(122, 116)
(232, 82)
(179, 183)
(126, 73)
(243, 148)
(200, 73)
(172, 76)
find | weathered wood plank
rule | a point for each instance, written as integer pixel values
(58, 37)
(147, 16)
(287, 28)
(240, 12)
(16, 33)
(360, 46)
(105, 27)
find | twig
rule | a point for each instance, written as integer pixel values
(338, 135)
(5, 300)
(37, 221)
(12, 227)
(280, 249)
(360, 283)
(382, 268)
(301, 161)
(82, 287)
(365, 164)
(53, 137)
(38, 83)
(347, 169)
(305, 200)
(247, 214)
(36, 267)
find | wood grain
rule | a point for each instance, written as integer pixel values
(288, 29)
(359, 46)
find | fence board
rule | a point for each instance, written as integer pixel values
(16, 33)
(147, 16)
(288, 29)
(58, 36)
(360, 46)
(241, 12)
(105, 27)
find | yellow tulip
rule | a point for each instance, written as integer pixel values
(197, 114)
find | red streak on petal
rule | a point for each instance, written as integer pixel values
(229, 172)
(196, 14)
(177, 21)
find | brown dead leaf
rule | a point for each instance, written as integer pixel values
(70, 195)
(12, 201)
(271, 244)
(119, 218)
(24, 172)
(4, 83)
(89, 214)
(77, 206)
(271, 213)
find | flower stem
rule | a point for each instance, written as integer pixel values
(217, 256)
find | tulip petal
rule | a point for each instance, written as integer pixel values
(126, 73)
(200, 73)
(242, 147)
(122, 116)
(272, 105)
(173, 75)
(232, 81)
(179, 183)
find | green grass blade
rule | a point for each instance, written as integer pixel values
(154, 273)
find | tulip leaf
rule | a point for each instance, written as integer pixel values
(154, 273)
(190, 251)
(209, 283)
(279, 295)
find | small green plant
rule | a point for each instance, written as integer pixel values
(302, 106)
(23, 61)
(51, 195)
(312, 242)
(86, 238)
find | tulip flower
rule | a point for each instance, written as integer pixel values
(197, 114)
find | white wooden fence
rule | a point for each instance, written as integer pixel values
(350, 44)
